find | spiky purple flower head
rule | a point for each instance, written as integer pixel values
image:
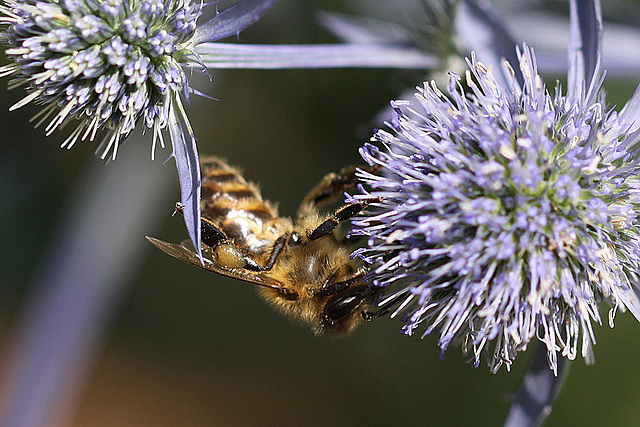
(103, 64)
(109, 65)
(507, 214)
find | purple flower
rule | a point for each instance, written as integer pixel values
(108, 66)
(507, 214)
(92, 63)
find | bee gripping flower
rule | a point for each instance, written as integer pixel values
(506, 213)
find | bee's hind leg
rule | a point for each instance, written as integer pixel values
(231, 256)
(332, 186)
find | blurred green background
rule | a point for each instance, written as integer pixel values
(186, 347)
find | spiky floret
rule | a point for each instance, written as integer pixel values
(105, 64)
(507, 214)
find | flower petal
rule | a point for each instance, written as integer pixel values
(631, 112)
(585, 46)
(232, 20)
(233, 55)
(185, 154)
(632, 303)
(551, 44)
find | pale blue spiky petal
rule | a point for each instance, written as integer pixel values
(585, 46)
(350, 55)
(232, 20)
(185, 154)
(630, 114)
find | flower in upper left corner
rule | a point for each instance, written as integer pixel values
(103, 64)
(108, 64)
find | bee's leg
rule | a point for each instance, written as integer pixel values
(389, 304)
(273, 257)
(229, 255)
(329, 288)
(332, 186)
(342, 214)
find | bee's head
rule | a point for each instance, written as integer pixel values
(343, 311)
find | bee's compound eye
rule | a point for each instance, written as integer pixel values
(229, 256)
(341, 307)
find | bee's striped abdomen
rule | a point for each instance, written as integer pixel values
(236, 207)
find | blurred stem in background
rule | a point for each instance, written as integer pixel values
(533, 401)
(91, 258)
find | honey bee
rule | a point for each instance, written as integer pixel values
(302, 268)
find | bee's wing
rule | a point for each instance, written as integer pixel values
(184, 252)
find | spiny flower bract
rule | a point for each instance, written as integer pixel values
(106, 63)
(505, 214)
